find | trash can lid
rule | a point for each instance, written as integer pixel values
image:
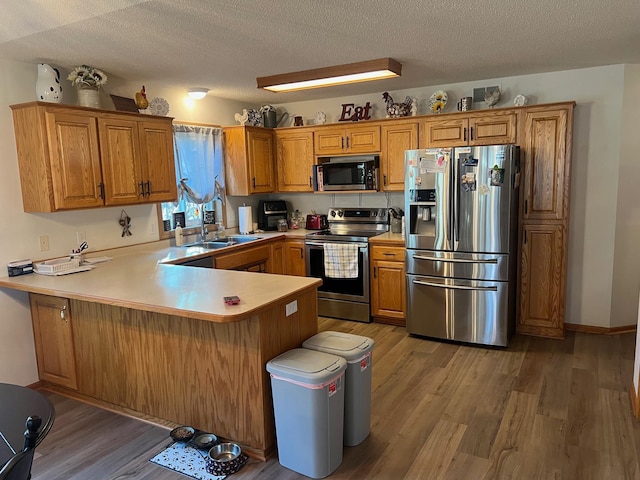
(307, 366)
(346, 345)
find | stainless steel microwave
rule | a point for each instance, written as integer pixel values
(348, 173)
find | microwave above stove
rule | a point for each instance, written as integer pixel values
(348, 173)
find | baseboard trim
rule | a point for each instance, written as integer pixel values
(576, 327)
(635, 402)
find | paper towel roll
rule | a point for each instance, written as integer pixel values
(245, 219)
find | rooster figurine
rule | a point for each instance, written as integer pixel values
(242, 117)
(141, 99)
(491, 97)
(396, 110)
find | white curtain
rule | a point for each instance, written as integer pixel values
(199, 163)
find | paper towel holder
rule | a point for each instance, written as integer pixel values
(245, 219)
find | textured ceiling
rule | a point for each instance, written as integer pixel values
(225, 44)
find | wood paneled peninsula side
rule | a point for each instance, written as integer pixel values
(157, 341)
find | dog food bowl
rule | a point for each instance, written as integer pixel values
(225, 459)
(182, 434)
(204, 440)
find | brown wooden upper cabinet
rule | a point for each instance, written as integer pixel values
(73, 157)
(396, 138)
(129, 149)
(486, 128)
(347, 140)
(546, 163)
(249, 160)
(294, 158)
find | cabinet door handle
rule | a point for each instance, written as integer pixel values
(254, 182)
(526, 207)
(347, 142)
(101, 188)
(142, 189)
(524, 237)
(384, 180)
(471, 136)
(375, 272)
(388, 254)
(63, 315)
(464, 134)
(301, 253)
(311, 181)
(342, 142)
(148, 188)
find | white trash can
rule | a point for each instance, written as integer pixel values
(357, 351)
(308, 404)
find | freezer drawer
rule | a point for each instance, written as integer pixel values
(463, 310)
(486, 266)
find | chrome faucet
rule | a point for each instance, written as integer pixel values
(203, 229)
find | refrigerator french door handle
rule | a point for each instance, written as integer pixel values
(455, 287)
(456, 201)
(455, 260)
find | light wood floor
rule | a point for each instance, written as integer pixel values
(543, 409)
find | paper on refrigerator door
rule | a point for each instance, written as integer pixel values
(435, 162)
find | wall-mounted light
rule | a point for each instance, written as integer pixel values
(330, 76)
(197, 93)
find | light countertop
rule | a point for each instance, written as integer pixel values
(138, 278)
(388, 238)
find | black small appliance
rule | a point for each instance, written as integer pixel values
(269, 212)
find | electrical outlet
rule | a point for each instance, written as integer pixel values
(291, 308)
(44, 243)
(80, 237)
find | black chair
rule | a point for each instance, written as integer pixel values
(18, 467)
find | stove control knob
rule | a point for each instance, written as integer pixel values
(340, 213)
(332, 213)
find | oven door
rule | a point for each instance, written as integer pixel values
(348, 289)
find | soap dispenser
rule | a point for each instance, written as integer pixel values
(179, 235)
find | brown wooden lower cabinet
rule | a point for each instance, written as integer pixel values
(53, 338)
(542, 281)
(172, 369)
(276, 261)
(255, 259)
(388, 287)
(295, 257)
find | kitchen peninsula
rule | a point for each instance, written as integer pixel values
(156, 340)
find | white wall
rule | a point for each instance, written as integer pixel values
(626, 266)
(603, 228)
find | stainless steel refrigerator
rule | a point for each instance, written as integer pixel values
(461, 208)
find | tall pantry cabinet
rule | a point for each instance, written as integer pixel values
(545, 138)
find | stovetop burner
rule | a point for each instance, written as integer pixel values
(353, 224)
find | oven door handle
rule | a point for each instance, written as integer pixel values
(321, 244)
(455, 260)
(455, 287)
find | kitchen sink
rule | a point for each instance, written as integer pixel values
(226, 242)
(240, 239)
(210, 245)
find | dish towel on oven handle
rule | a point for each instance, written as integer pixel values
(341, 260)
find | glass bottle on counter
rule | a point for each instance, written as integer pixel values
(282, 225)
(296, 220)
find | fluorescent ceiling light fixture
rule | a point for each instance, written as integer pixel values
(197, 93)
(330, 76)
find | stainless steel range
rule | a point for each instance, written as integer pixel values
(346, 298)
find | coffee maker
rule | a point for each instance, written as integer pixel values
(270, 212)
